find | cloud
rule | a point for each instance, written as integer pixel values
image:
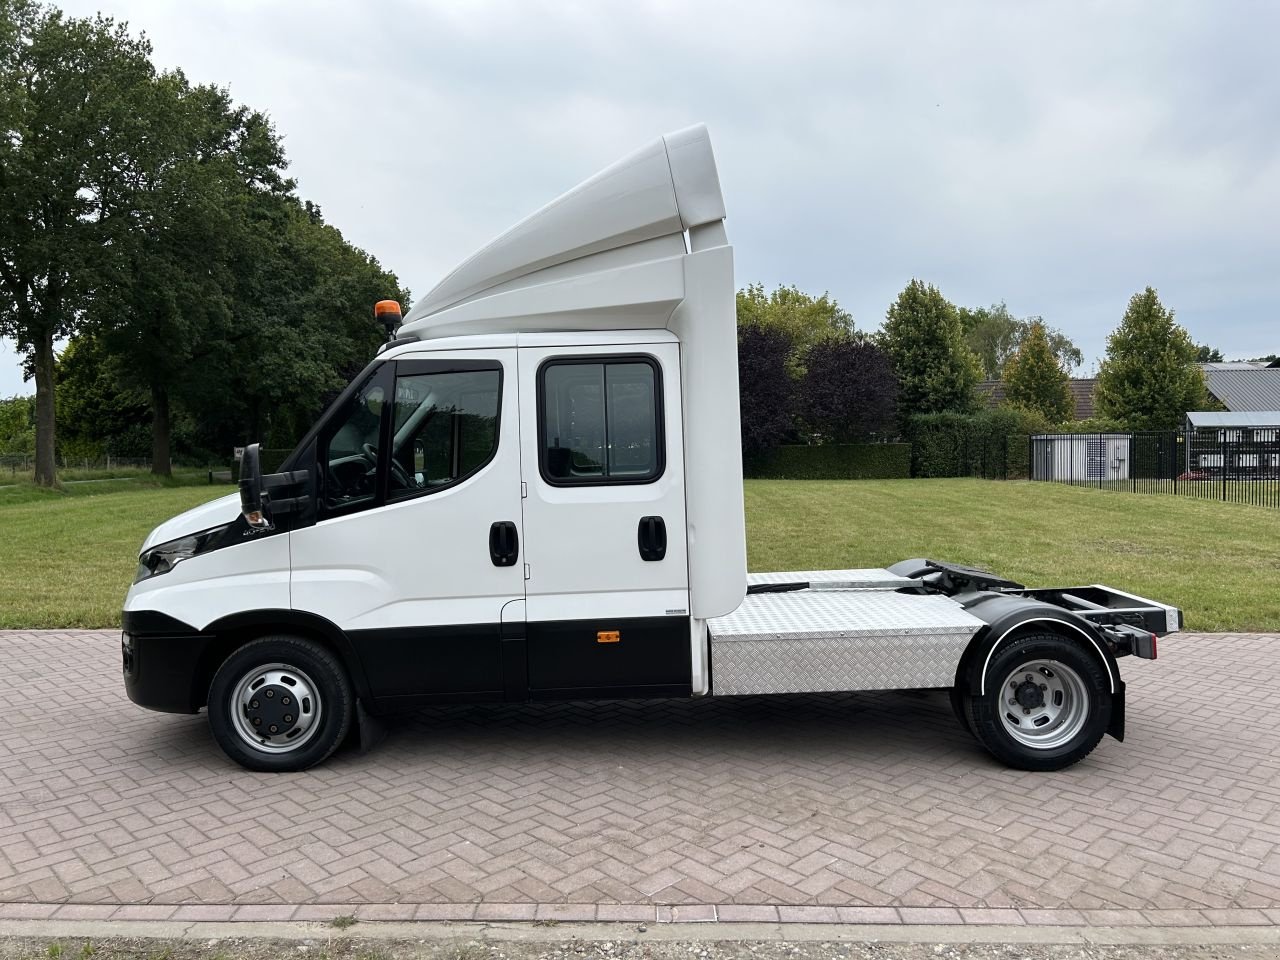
(1059, 156)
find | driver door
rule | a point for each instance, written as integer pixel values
(418, 543)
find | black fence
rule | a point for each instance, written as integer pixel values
(1239, 466)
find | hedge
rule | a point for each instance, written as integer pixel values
(990, 444)
(843, 461)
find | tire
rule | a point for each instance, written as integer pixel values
(280, 703)
(1061, 703)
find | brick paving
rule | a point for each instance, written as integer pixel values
(870, 808)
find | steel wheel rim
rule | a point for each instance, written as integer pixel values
(1051, 715)
(276, 695)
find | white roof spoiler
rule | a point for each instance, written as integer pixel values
(648, 198)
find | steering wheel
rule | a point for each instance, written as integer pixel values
(397, 471)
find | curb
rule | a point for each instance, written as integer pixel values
(676, 931)
(887, 916)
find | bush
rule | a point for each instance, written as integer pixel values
(991, 444)
(765, 388)
(846, 461)
(848, 392)
(1092, 425)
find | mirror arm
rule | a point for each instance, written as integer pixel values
(274, 483)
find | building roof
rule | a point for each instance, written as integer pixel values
(1252, 387)
(1242, 418)
(1081, 395)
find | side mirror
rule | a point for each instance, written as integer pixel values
(253, 502)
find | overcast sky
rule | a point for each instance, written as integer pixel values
(1058, 156)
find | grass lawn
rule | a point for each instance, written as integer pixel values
(66, 560)
(1219, 562)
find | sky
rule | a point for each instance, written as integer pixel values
(1058, 156)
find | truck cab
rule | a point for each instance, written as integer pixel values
(534, 491)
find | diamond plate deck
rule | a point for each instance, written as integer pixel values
(861, 579)
(838, 640)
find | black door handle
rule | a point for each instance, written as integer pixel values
(651, 536)
(504, 544)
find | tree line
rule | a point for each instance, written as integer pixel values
(149, 223)
(808, 376)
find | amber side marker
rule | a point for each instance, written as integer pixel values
(609, 636)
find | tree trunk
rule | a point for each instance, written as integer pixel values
(160, 465)
(46, 467)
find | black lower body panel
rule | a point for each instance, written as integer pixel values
(161, 660)
(619, 657)
(455, 663)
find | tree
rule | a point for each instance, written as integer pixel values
(765, 387)
(994, 335)
(1034, 380)
(1149, 378)
(18, 425)
(922, 335)
(75, 130)
(307, 295)
(1208, 354)
(848, 391)
(99, 413)
(173, 307)
(804, 318)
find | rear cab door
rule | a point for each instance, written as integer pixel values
(607, 588)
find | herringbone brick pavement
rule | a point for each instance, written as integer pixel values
(804, 800)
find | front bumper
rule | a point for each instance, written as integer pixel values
(163, 662)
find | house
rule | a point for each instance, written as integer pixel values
(1081, 395)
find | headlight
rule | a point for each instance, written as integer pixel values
(163, 558)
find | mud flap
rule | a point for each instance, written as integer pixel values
(372, 731)
(1116, 728)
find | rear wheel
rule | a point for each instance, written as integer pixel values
(1046, 706)
(280, 703)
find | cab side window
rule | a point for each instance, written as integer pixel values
(444, 427)
(350, 452)
(600, 421)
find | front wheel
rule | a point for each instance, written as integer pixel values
(280, 703)
(1046, 706)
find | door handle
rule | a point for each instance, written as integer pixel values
(504, 544)
(651, 537)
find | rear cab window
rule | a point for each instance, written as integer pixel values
(600, 420)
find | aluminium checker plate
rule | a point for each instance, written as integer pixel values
(829, 640)
(864, 579)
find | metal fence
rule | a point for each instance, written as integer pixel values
(1239, 466)
(19, 467)
(14, 464)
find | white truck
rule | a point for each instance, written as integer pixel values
(534, 492)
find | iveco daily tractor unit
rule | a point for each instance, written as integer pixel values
(535, 492)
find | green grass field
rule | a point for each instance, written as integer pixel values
(66, 560)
